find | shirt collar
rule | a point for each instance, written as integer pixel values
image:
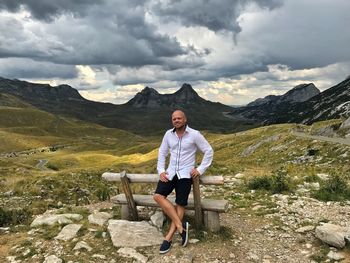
(186, 129)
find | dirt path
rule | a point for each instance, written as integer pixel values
(322, 138)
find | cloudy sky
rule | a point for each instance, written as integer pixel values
(231, 51)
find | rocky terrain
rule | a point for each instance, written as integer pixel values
(259, 227)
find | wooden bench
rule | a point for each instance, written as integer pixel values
(206, 210)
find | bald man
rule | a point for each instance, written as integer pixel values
(182, 142)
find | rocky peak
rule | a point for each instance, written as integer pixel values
(186, 93)
(299, 93)
(33, 91)
(150, 98)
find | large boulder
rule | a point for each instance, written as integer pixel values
(133, 234)
(332, 235)
(50, 219)
(68, 232)
(99, 218)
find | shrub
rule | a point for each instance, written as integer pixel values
(281, 182)
(277, 183)
(260, 183)
(14, 216)
(334, 189)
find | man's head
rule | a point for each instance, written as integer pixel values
(178, 119)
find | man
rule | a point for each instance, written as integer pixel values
(183, 143)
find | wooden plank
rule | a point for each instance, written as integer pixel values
(198, 215)
(154, 178)
(129, 198)
(220, 206)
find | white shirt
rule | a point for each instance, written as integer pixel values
(183, 153)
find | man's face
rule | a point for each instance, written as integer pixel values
(178, 118)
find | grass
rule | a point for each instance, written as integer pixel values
(334, 189)
(278, 182)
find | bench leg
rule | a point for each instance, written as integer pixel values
(212, 221)
(124, 213)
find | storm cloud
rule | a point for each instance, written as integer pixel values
(120, 44)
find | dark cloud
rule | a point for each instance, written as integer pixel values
(49, 10)
(113, 33)
(29, 69)
(212, 14)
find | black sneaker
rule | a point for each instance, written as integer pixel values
(184, 234)
(165, 247)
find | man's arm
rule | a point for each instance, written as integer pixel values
(162, 154)
(208, 152)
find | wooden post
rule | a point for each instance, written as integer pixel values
(198, 217)
(128, 194)
(212, 221)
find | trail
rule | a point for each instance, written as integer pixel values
(322, 138)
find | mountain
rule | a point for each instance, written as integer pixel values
(299, 93)
(150, 98)
(147, 113)
(302, 104)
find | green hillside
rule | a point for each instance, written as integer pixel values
(61, 159)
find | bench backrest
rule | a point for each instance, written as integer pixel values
(154, 178)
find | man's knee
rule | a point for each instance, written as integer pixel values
(158, 198)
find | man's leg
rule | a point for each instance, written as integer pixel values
(170, 210)
(180, 210)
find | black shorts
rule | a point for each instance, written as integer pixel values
(182, 189)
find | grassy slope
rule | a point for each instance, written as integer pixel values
(91, 149)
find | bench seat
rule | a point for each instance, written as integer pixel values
(220, 206)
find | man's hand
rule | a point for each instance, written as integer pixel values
(194, 173)
(163, 177)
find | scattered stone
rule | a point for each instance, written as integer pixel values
(132, 253)
(158, 219)
(335, 255)
(239, 176)
(52, 259)
(133, 234)
(4, 229)
(61, 219)
(82, 245)
(332, 234)
(68, 232)
(323, 177)
(99, 256)
(305, 229)
(99, 218)
(193, 241)
(253, 257)
(232, 255)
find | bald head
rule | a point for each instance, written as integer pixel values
(179, 119)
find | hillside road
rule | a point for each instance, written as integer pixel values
(322, 138)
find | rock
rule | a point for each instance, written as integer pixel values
(99, 256)
(193, 241)
(158, 219)
(99, 218)
(323, 177)
(305, 229)
(332, 235)
(60, 219)
(132, 253)
(239, 176)
(52, 259)
(345, 124)
(335, 255)
(133, 234)
(82, 245)
(68, 232)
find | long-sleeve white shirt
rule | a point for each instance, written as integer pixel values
(183, 153)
